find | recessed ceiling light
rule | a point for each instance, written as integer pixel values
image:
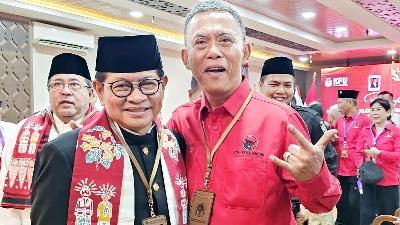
(136, 14)
(371, 32)
(303, 59)
(341, 32)
(308, 15)
(341, 29)
(391, 52)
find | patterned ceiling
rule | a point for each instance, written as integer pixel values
(276, 25)
(324, 23)
(182, 11)
(164, 6)
(383, 9)
(121, 12)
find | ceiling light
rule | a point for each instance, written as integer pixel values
(136, 14)
(341, 29)
(308, 15)
(391, 52)
(303, 59)
(371, 32)
(341, 32)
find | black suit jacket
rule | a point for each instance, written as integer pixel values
(50, 201)
(51, 190)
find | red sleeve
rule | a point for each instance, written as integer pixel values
(360, 148)
(321, 193)
(173, 123)
(395, 155)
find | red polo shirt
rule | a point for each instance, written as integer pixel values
(389, 145)
(249, 187)
(348, 166)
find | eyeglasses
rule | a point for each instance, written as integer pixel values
(123, 88)
(58, 86)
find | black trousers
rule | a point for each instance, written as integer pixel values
(378, 200)
(349, 203)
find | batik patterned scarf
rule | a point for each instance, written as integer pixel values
(98, 174)
(33, 134)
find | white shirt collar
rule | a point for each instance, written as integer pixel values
(63, 127)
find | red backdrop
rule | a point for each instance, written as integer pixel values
(361, 78)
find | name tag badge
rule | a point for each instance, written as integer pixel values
(344, 151)
(201, 207)
(155, 220)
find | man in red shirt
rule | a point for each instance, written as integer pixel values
(244, 180)
(349, 126)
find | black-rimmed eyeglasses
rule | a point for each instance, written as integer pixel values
(123, 88)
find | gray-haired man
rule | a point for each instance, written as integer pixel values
(246, 182)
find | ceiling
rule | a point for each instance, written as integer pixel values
(339, 29)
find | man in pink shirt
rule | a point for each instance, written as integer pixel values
(254, 165)
(349, 126)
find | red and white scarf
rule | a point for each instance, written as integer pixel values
(99, 173)
(33, 134)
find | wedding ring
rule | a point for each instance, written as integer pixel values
(286, 155)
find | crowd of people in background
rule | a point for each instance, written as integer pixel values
(230, 155)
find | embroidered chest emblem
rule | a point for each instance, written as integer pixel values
(250, 142)
(389, 134)
(100, 147)
(356, 125)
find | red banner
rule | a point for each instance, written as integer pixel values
(368, 80)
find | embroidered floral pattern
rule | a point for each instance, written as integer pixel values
(172, 146)
(100, 147)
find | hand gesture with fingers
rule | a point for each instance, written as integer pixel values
(304, 160)
(73, 124)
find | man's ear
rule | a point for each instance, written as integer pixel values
(184, 56)
(99, 87)
(164, 81)
(190, 94)
(261, 86)
(246, 53)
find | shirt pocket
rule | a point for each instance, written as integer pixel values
(244, 184)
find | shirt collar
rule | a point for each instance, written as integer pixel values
(389, 127)
(133, 132)
(351, 117)
(234, 102)
(64, 127)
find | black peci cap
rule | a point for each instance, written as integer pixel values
(68, 63)
(128, 54)
(277, 65)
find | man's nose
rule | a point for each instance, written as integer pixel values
(66, 90)
(214, 51)
(136, 95)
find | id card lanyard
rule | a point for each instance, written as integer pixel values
(347, 129)
(146, 183)
(210, 155)
(378, 134)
